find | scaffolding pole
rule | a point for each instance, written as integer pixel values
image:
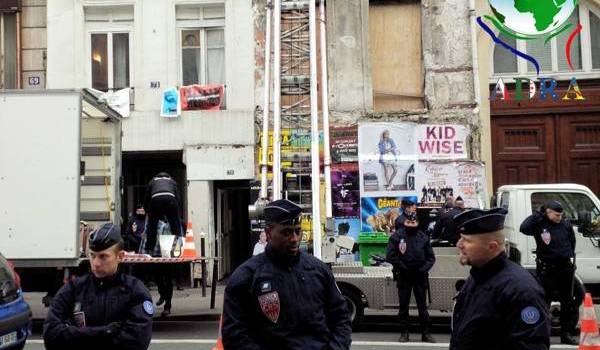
(325, 112)
(314, 132)
(277, 100)
(267, 83)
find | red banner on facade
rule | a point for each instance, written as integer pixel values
(201, 97)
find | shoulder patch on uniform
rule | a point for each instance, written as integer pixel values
(530, 315)
(148, 307)
(265, 286)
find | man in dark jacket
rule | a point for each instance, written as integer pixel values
(501, 306)
(555, 247)
(162, 199)
(445, 227)
(284, 298)
(410, 253)
(104, 310)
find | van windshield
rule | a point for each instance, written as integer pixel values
(573, 204)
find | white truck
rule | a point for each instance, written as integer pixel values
(60, 158)
(374, 288)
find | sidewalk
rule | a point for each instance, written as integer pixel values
(186, 303)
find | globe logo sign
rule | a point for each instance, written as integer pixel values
(532, 17)
(531, 20)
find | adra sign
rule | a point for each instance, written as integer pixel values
(547, 88)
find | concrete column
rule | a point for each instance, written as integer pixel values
(350, 86)
(201, 213)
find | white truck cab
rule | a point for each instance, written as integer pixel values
(582, 208)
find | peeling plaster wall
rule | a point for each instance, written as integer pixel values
(447, 62)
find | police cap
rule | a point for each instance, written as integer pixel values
(477, 221)
(283, 211)
(105, 237)
(554, 205)
(407, 202)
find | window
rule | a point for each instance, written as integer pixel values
(8, 51)
(504, 200)
(110, 31)
(202, 42)
(396, 55)
(203, 56)
(551, 56)
(573, 203)
(110, 61)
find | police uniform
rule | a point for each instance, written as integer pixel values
(284, 302)
(100, 313)
(555, 246)
(501, 306)
(410, 253)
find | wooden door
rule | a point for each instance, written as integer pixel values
(523, 150)
(579, 149)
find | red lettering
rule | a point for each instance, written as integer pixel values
(446, 146)
(430, 132)
(426, 146)
(458, 147)
(449, 132)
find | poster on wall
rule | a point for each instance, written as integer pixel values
(437, 181)
(441, 141)
(379, 214)
(170, 106)
(387, 155)
(348, 227)
(345, 193)
(344, 144)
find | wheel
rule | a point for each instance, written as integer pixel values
(355, 306)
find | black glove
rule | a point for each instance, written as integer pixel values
(113, 329)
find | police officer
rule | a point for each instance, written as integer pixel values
(555, 241)
(445, 227)
(103, 310)
(410, 253)
(284, 298)
(501, 306)
(162, 199)
(408, 207)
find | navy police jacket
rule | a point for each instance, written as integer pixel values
(555, 242)
(90, 313)
(501, 306)
(277, 303)
(410, 251)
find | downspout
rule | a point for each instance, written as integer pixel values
(18, 30)
(474, 56)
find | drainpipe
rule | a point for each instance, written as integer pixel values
(18, 29)
(474, 56)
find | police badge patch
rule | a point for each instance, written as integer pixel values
(148, 307)
(269, 304)
(530, 315)
(546, 237)
(402, 246)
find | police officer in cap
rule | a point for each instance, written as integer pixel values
(284, 298)
(501, 306)
(555, 242)
(410, 253)
(408, 207)
(103, 310)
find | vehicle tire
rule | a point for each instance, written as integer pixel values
(355, 306)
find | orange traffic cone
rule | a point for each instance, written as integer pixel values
(219, 345)
(589, 339)
(189, 247)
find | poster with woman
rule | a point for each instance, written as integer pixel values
(387, 156)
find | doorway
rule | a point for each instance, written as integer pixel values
(233, 239)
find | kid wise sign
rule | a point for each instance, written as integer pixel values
(441, 141)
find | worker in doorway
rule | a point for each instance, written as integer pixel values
(162, 199)
(135, 229)
(103, 310)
